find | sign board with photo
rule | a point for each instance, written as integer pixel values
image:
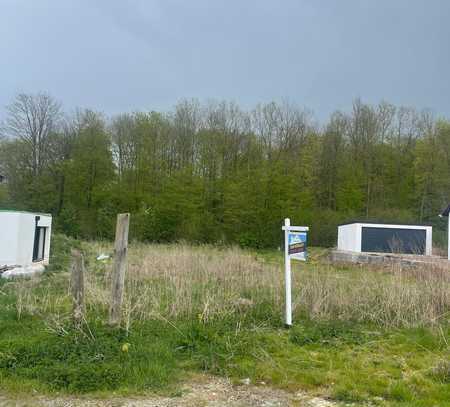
(297, 245)
(295, 238)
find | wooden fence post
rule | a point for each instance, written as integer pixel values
(119, 268)
(77, 287)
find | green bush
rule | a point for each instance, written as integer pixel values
(326, 332)
(78, 363)
(61, 246)
(85, 378)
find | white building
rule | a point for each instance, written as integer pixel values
(385, 238)
(24, 238)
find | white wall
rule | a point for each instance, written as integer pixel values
(349, 237)
(9, 237)
(17, 231)
(429, 241)
(27, 225)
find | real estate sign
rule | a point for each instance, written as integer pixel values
(294, 248)
(297, 245)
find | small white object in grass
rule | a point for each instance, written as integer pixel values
(246, 381)
(103, 256)
(243, 303)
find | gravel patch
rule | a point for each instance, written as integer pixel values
(204, 391)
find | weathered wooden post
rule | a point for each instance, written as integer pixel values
(77, 287)
(119, 268)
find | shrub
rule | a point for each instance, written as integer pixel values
(326, 332)
(61, 246)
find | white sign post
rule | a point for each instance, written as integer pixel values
(294, 248)
(448, 238)
(446, 214)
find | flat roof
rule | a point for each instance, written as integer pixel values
(25, 212)
(368, 222)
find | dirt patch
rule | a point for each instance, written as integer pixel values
(204, 391)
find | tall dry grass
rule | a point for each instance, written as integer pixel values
(205, 282)
(181, 281)
(391, 295)
(173, 281)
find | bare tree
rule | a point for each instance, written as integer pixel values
(125, 145)
(385, 115)
(281, 127)
(265, 120)
(187, 122)
(32, 119)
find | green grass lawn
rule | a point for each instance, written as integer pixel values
(349, 361)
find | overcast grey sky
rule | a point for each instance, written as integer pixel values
(117, 56)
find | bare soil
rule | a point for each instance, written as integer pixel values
(203, 391)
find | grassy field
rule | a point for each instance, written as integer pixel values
(368, 336)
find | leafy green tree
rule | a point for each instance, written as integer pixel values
(216, 173)
(89, 174)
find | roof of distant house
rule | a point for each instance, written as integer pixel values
(446, 211)
(24, 212)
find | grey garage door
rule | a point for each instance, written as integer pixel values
(391, 240)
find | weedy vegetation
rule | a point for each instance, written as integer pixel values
(361, 334)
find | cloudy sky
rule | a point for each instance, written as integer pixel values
(127, 55)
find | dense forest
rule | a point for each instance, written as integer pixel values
(217, 173)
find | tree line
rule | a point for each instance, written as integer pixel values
(215, 172)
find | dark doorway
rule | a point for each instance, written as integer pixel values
(39, 243)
